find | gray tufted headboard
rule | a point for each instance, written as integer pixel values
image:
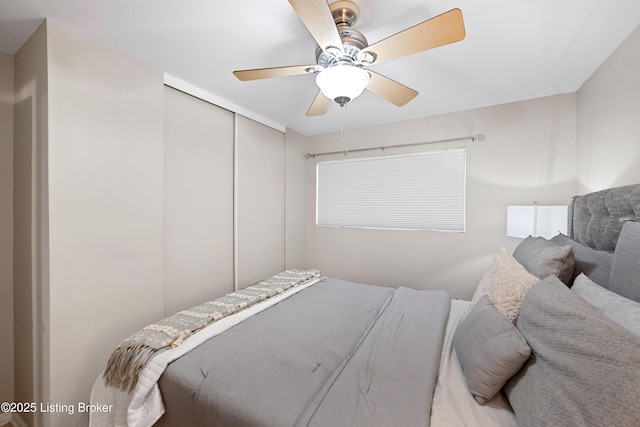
(595, 219)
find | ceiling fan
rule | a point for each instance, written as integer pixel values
(343, 52)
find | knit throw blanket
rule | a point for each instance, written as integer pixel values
(133, 354)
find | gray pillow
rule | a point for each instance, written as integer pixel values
(490, 350)
(592, 262)
(623, 311)
(584, 369)
(625, 271)
(543, 258)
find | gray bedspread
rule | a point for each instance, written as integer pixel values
(336, 354)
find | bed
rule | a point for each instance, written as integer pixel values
(550, 337)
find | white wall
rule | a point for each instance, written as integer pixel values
(6, 227)
(608, 121)
(105, 208)
(528, 155)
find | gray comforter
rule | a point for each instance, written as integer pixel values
(336, 354)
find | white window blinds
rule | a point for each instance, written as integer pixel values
(424, 191)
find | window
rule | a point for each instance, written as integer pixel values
(424, 191)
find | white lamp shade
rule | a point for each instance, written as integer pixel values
(520, 221)
(543, 221)
(342, 81)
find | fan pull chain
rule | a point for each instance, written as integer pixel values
(343, 131)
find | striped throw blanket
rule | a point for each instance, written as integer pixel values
(133, 354)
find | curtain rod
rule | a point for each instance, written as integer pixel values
(476, 137)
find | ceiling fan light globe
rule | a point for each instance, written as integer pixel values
(342, 82)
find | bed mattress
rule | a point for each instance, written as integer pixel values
(338, 353)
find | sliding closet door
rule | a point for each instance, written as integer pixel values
(198, 200)
(260, 189)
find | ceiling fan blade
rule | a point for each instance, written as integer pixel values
(438, 31)
(390, 90)
(316, 16)
(319, 106)
(265, 73)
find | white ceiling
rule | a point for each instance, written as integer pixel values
(513, 50)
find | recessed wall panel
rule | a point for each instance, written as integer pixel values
(198, 201)
(260, 193)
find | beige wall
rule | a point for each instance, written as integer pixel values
(93, 192)
(295, 209)
(528, 155)
(259, 201)
(542, 150)
(198, 201)
(30, 248)
(6, 227)
(608, 121)
(105, 207)
(103, 160)
(209, 152)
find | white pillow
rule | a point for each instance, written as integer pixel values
(623, 311)
(505, 282)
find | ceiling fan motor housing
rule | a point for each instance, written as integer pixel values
(345, 14)
(352, 41)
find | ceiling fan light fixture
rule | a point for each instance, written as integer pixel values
(342, 83)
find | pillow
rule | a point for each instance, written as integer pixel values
(542, 258)
(625, 270)
(490, 350)
(594, 263)
(621, 310)
(505, 282)
(584, 370)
